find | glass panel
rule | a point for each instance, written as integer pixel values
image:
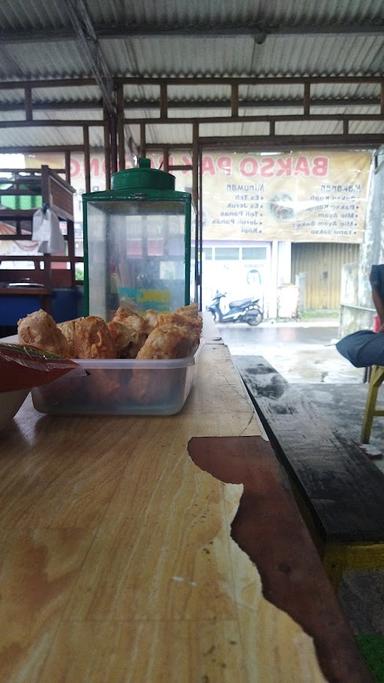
(227, 253)
(136, 250)
(207, 251)
(255, 253)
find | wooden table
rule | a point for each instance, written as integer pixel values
(117, 564)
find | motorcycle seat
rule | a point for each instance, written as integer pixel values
(242, 302)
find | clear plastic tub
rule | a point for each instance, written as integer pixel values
(119, 387)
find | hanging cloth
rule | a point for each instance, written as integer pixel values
(46, 231)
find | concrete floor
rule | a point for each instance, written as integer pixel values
(300, 352)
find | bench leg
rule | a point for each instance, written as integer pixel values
(374, 384)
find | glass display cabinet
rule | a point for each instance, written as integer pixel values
(137, 243)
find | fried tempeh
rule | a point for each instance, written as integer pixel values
(40, 330)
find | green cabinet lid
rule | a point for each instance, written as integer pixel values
(143, 177)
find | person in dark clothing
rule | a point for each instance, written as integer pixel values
(365, 347)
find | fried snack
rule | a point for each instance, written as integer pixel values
(151, 320)
(68, 329)
(127, 339)
(191, 322)
(39, 329)
(92, 338)
(190, 311)
(168, 341)
(124, 314)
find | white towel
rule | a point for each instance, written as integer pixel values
(46, 231)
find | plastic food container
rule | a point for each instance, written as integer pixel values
(119, 387)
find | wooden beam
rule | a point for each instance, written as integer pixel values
(67, 157)
(120, 125)
(87, 159)
(47, 83)
(245, 80)
(80, 17)
(51, 123)
(107, 151)
(190, 80)
(307, 99)
(255, 119)
(28, 104)
(163, 101)
(143, 144)
(382, 98)
(235, 99)
(37, 149)
(166, 160)
(113, 139)
(281, 142)
(196, 104)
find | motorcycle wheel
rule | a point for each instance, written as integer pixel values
(255, 319)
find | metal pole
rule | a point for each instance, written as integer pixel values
(195, 194)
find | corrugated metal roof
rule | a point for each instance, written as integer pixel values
(18, 14)
(166, 56)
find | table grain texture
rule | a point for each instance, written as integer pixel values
(117, 564)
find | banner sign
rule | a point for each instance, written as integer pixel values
(311, 196)
(301, 196)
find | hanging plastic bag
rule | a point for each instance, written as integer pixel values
(46, 231)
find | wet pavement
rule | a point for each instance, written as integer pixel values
(300, 352)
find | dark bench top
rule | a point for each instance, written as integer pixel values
(343, 490)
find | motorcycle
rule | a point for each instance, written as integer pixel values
(242, 311)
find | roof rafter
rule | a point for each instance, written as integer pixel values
(85, 33)
(258, 30)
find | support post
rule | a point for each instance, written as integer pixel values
(120, 125)
(67, 157)
(28, 104)
(163, 101)
(382, 98)
(166, 159)
(307, 99)
(113, 137)
(107, 151)
(142, 140)
(87, 159)
(195, 195)
(235, 99)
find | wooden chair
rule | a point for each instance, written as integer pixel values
(371, 411)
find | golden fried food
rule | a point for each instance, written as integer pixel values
(193, 324)
(128, 316)
(127, 339)
(168, 341)
(151, 320)
(40, 330)
(92, 338)
(190, 311)
(68, 329)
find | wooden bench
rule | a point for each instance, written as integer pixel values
(339, 490)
